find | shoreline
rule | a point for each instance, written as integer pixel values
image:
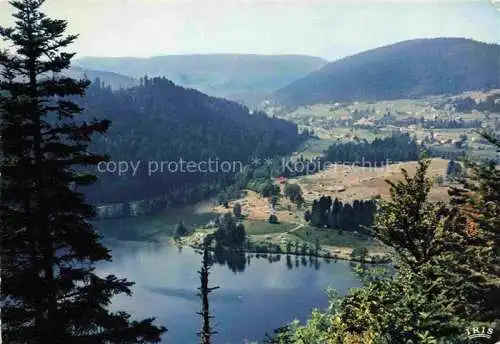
(325, 253)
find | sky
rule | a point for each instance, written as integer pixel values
(325, 28)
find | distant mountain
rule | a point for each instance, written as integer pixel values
(114, 80)
(241, 77)
(407, 69)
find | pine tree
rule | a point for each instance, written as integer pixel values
(50, 293)
(409, 223)
(206, 329)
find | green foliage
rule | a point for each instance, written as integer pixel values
(447, 273)
(269, 189)
(379, 152)
(159, 123)
(230, 233)
(50, 291)
(273, 219)
(326, 213)
(181, 230)
(274, 201)
(359, 253)
(237, 210)
(454, 170)
(476, 229)
(403, 70)
(240, 77)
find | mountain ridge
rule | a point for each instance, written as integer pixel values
(246, 78)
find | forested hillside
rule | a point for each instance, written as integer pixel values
(403, 70)
(159, 121)
(242, 77)
(395, 148)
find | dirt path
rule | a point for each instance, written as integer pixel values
(296, 228)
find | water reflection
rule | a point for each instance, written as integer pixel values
(273, 290)
(237, 261)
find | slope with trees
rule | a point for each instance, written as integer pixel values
(50, 290)
(105, 78)
(241, 77)
(336, 214)
(447, 278)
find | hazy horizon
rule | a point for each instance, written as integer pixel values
(326, 29)
(265, 54)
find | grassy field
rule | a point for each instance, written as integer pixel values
(259, 227)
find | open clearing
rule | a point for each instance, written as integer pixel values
(356, 183)
(349, 183)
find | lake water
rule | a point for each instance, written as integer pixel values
(255, 295)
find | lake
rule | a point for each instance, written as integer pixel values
(256, 295)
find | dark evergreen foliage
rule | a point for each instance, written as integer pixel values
(268, 189)
(237, 210)
(246, 78)
(180, 229)
(273, 219)
(467, 104)
(50, 291)
(476, 225)
(159, 121)
(294, 193)
(204, 290)
(407, 69)
(338, 215)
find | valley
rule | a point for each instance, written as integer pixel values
(307, 174)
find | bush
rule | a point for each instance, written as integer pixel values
(181, 230)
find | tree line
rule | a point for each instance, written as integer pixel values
(51, 293)
(398, 147)
(336, 214)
